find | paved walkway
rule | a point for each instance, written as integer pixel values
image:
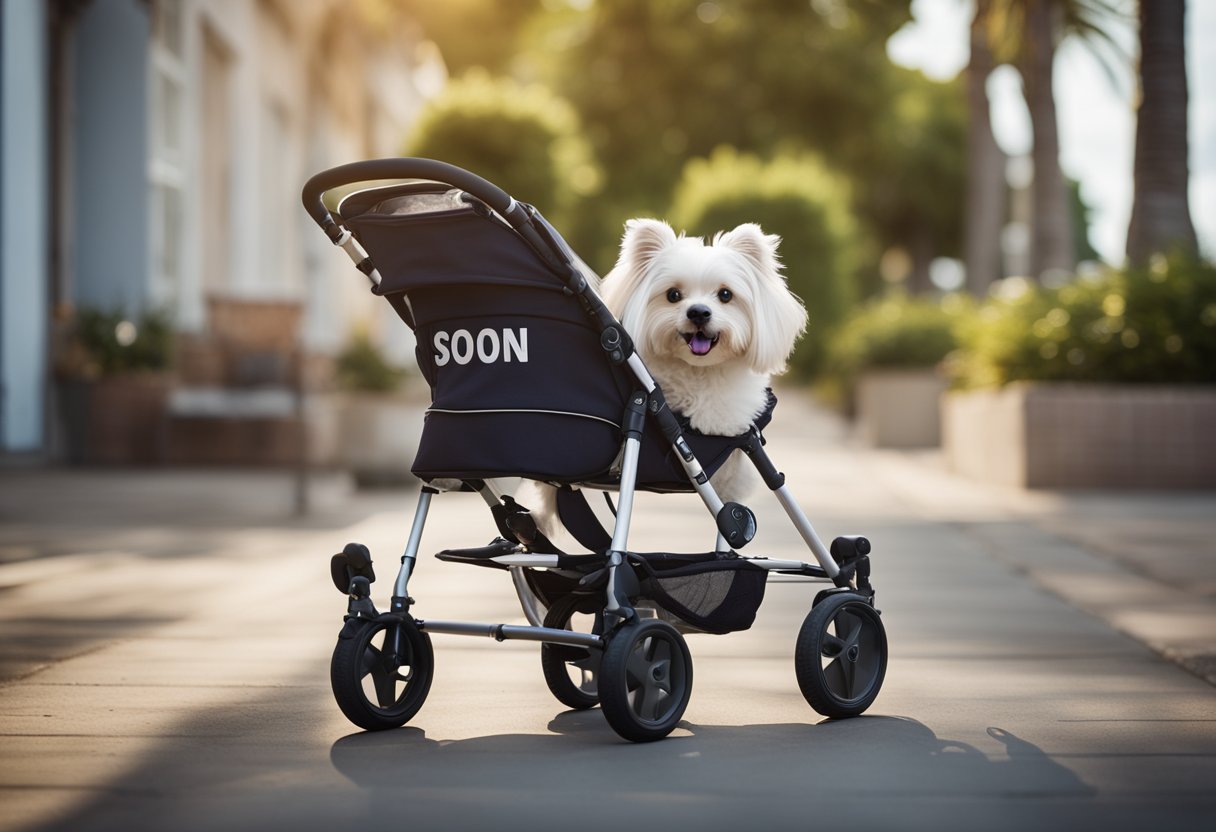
(164, 637)
(1143, 562)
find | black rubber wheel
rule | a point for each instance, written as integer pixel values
(841, 656)
(571, 673)
(375, 685)
(645, 680)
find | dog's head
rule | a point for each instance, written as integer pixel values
(705, 304)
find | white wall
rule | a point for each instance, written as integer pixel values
(23, 224)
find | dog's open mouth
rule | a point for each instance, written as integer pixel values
(699, 342)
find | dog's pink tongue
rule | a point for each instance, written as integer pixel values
(699, 344)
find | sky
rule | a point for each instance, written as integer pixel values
(1096, 117)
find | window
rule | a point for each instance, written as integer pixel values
(166, 165)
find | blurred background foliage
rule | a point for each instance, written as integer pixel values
(1155, 324)
(791, 114)
(520, 136)
(106, 343)
(361, 366)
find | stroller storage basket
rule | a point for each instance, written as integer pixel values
(711, 593)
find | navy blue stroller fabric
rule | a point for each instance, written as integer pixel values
(519, 383)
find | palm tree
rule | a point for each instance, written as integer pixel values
(1025, 33)
(1161, 218)
(985, 214)
(1051, 241)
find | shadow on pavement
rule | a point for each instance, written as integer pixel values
(752, 767)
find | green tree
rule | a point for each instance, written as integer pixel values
(470, 34)
(521, 137)
(913, 191)
(658, 82)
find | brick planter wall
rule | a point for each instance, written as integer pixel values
(1057, 435)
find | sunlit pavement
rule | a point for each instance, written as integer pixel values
(166, 640)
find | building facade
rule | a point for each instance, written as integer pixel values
(151, 159)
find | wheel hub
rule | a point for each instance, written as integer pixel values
(853, 652)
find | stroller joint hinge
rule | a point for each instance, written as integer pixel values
(635, 415)
(615, 341)
(754, 448)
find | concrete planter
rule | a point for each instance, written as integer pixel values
(900, 408)
(379, 436)
(1058, 435)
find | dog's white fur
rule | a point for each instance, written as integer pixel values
(660, 277)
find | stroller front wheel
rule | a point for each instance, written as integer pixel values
(841, 655)
(381, 672)
(645, 680)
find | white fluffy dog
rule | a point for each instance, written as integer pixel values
(713, 322)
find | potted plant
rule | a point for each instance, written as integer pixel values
(115, 379)
(381, 417)
(1105, 381)
(886, 357)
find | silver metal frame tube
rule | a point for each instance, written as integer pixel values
(401, 586)
(693, 469)
(527, 598)
(624, 506)
(539, 561)
(772, 564)
(515, 632)
(355, 252)
(624, 512)
(807, 531)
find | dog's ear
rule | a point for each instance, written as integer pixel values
(780, 315)
(643, 241)
(751, 241)
(623, 290)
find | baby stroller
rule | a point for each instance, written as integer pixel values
(532, 377)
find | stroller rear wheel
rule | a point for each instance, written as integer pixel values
(841, 655)
(645, 680)
(381, 672)
(571, 673)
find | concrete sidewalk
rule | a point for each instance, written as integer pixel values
(167, 633)
(1143, 562)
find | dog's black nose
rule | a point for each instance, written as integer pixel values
(699, 314)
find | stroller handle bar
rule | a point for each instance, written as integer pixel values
(404, 168)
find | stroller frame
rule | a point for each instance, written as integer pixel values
(841, 626)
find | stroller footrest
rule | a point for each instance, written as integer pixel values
(482, 555)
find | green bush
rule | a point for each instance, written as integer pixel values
(797, 198)
(522, 138)
(1153, 325)
(895, 332)
(360, 366)
(112, 343)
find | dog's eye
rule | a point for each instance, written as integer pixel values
(725, 295)
(674, 295)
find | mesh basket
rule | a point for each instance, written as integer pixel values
(713, 593)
